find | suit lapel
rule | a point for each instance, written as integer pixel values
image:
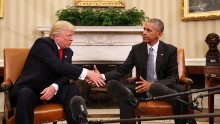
(65, 55)
(144, 56)
(160, 56)
(56, 50)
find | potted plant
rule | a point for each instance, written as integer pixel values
(70, 14)
(102, 16)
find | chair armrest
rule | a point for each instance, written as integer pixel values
(6, 86)
(185, 80)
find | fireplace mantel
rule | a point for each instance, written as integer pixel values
(135, 29)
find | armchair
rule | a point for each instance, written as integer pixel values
(14, 59)
(162, 108)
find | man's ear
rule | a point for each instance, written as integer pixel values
(56, 36)
(159, 34)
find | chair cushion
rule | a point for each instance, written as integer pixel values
(155, 108)
(49, 113)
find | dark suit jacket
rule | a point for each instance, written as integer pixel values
(43, 66)
(166, 63)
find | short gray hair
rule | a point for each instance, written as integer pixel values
(158, 24)
(60, 26)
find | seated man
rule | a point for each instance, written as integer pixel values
(46, 74)
(155, 61)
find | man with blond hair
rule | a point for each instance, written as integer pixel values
(46, 75)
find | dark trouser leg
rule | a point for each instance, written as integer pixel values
(25, 101)
(64, 96)
(126, 112)
(179, 107)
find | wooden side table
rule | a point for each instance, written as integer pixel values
(212, 81)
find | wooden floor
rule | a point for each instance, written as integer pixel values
(217, 119)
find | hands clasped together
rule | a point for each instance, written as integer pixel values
(95, 78)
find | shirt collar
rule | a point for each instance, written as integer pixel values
(155, 46)
(57, 46)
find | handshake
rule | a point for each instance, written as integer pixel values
(94, 77)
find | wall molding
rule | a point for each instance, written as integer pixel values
(195, 62)
(2, 63)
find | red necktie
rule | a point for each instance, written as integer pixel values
(61, 53)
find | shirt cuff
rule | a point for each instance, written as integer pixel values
(83, 74)
(56, 87)
(103, 76)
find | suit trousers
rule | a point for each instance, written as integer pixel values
(127, 111)
(25, 99)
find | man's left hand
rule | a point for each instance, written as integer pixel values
(143, 85)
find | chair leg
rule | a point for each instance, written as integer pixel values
(139, 122)
(3, 120)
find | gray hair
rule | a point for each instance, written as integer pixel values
(60, 26)
(158, 24)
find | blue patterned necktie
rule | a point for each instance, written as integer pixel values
(150, 65)
(150, 69)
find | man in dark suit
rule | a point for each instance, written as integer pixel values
(46, 75)
(164, 68)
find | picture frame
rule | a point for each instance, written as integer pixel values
(1, 8)
(100, 3)
(193, 10)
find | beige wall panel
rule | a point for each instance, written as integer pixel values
(18, 27)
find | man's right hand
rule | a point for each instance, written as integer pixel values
(48, 93)
(94, 77)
